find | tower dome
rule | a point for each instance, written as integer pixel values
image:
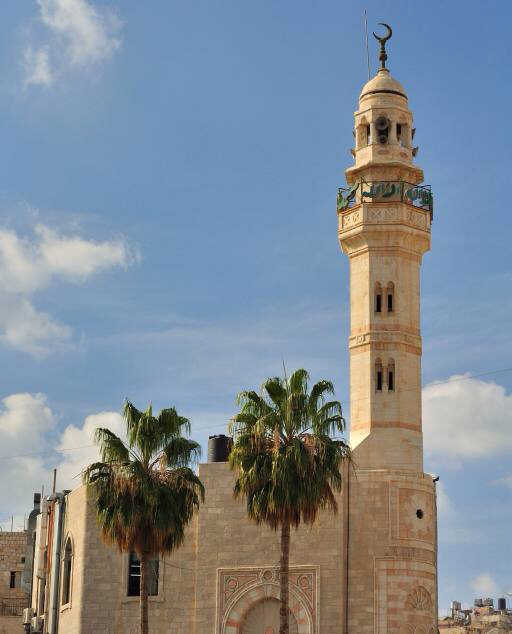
(382, 84)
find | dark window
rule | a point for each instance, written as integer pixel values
(379, 380)
(134, 576)
(12, 580)
(390, 302)
(66, 572)
(378, 303)
(368, 134)
(391, 380)
(399, 132)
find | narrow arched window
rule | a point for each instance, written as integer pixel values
(378, 298)
(391, 375)
(67, 572)
(363, 134)
(390, 297)
(378, 375)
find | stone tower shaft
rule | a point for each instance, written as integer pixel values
(384, 228)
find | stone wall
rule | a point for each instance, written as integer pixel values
(12, 600)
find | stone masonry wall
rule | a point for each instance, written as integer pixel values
(12, 550)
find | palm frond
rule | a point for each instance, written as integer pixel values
(288, 467)
(112, 448)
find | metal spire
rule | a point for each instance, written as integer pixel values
(383, 55)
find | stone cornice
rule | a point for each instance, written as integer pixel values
(394, 338)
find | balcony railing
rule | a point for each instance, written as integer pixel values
(419, 196)
(10, 606)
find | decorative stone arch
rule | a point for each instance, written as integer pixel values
(240, 590)
(236, 614)
(362, 137)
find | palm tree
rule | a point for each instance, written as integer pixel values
(288, 466)
(145, 491)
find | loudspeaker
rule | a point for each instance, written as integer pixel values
(381, 123)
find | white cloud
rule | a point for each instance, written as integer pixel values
(484, 585)
(466, 419)
(78, 448)
(506, 481)
(31, 447)
(26, 425)
(36, 64)
(32, 263)
(445, 506)
(77, 34)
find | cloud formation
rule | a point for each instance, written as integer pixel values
(26, 466)
(76, 34)
(23, 417)
(466, 419)
(30, 264)
(484, 585)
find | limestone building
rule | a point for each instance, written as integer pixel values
(372, 567)
(13, 598)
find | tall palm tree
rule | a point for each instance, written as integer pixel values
(145, 491)
(288, 466)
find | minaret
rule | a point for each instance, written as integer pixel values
(384, 227)
(385, 230)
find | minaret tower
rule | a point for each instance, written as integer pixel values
(384, 227)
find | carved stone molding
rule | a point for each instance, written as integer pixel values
(389, 337)
(396, 214)
(403, 596)
(419, 599)
(351, 219)
(240, 589)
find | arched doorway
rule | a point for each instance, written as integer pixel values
(263, 618)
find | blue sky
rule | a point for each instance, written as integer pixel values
(168, 174)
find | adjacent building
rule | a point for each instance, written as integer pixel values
(482, 618)
(13, 597)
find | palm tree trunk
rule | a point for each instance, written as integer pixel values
(144, 624)
(283, 573)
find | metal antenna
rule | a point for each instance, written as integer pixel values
(366, 42)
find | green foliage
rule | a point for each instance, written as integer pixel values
(145, 491)
(289, 466)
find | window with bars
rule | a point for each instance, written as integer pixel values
(134, 576)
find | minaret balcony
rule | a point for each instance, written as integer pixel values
(385, 214)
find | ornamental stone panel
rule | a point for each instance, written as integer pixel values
(240, 590)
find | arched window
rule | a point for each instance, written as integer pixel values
(134, 576)
(363, 137)
(390, 297)
(67, 566)
(391, 375)
(378, 375)
(378, 298)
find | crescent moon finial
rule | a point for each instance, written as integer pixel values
(383, 55)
